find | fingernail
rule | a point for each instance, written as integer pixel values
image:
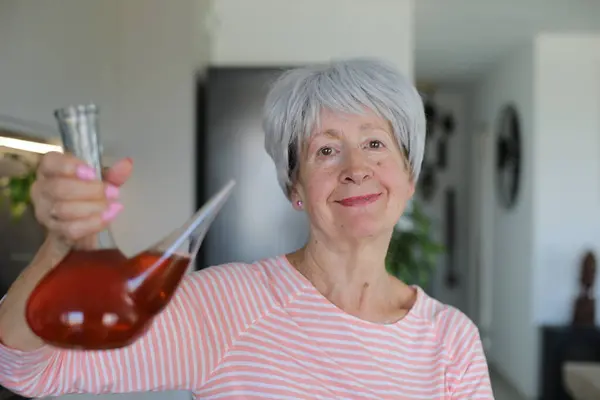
(112, 211)
(85, 172)
(112, 192)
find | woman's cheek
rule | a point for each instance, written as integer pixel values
(386, 163)
(393, 173)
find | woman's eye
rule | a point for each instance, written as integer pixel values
(375, 144)
(325, 151)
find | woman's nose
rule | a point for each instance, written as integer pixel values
(356, 169)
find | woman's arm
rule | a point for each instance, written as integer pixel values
(468, 373)
(14, 331)
(184, 346)
(186, 341)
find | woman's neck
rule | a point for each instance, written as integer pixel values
(354, 278)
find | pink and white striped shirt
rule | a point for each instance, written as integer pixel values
(263, 331)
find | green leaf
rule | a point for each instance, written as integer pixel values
(17, 191)
(413, 254)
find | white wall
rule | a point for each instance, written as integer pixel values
(156, 124)
(567, 169)
(57, 54)
(506, 252)
(288, 32)
(136, 59)
(531, 254)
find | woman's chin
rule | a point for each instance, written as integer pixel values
(363, 228)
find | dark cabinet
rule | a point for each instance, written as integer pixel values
(560, 344)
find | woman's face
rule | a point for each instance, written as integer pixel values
(353, 178)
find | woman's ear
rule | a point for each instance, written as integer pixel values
(298, 205)
(296, 199)
(411, 188)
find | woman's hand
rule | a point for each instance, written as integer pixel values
(75, 206)
(71, 202)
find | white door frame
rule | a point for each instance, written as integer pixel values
(480, 283)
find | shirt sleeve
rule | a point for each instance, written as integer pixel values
(184, 345)
(468, 371)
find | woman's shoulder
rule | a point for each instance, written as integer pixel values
(264, 273)
(449, 322)
(235, 291)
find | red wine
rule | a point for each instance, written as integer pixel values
(99, 299)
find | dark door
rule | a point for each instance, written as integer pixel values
(257, 221)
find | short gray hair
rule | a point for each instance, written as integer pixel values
(298, 96)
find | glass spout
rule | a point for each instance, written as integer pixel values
(161, 267)
(197, 226)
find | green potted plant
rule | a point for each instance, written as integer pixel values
(413, 252)
(16, 189)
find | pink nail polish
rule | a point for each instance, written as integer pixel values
(85, 172)
(112, 192)
(112, 211)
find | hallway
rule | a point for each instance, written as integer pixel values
(502, 389)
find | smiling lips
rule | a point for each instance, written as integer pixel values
(359, 200)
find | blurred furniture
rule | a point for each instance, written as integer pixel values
(582, 380)
(562, 345)
(6, 395)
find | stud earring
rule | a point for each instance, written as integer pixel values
(299, 203)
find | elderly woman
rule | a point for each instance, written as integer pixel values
(325, 321)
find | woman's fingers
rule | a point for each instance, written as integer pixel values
(70, 199)
(74, 230)
(55, 164)
(74, 221)
(72, 210)
(64, 189)
(55, 196)
(119, 173)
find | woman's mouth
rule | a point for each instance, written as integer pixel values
(357, 201)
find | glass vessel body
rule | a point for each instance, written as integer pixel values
(97, 298)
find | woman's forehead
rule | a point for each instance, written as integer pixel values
(334, 123)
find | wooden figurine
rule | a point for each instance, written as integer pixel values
(585, 305)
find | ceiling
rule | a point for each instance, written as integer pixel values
(458, 40)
